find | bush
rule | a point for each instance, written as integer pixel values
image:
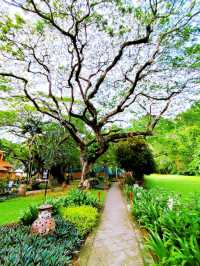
(3, 187)
(75, 197)
(78, 197)
(18, 247)
(83, 218)
(135, 155)
(173, 225)
(31, 213)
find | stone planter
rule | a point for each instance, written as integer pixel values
(22, 190)
(45, 223)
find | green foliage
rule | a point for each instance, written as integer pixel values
(4, 85)
(134, 155)
(15, 153)
(173, 225)
(46, 144)
(39, 26)
(3, 186)
(31, 213)
(18, 247)
(180, 139)
(76, 197)
(84, 218)
(55, 150)
(7, 117)
(108, 158)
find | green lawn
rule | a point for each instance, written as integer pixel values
(185, 185)
(11, 209)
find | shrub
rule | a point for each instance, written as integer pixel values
(18, 247)
(77, 197)
(135, 155)
(3, 186)
(83, 218)
(31, 213)
(173, 225)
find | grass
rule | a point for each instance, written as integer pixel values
(185, 185)
(11, 209)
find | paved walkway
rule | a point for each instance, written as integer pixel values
(115, 243)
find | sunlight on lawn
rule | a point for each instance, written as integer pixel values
(178, 183)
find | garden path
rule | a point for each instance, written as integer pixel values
(115, 243)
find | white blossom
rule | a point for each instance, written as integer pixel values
(170, 203)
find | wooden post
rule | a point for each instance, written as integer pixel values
(131, 198)
(99, 197)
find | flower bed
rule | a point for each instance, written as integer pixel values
(19, 247)
(173, 225)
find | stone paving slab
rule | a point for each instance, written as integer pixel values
(115, 243)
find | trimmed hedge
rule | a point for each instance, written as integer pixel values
(83, 218)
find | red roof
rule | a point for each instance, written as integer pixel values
(5, 164)
(3, 168)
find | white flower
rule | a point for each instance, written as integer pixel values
(129, 207)
(138, 194)
(135, 186)
(170, 203)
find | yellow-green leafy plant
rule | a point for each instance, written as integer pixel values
(84, 218)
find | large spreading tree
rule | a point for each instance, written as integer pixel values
(97, 61)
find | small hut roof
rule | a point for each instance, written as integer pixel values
(5, 164)
(3, 168)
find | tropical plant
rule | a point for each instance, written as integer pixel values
(77, 197)
(84, 218)
(19, 247)
(173, 225)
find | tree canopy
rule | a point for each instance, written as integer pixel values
(92, 61)
(176, 143)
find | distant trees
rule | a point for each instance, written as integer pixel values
(134, 155)
(176, 143)
(56, 151)
(15, 153)
(38, 144)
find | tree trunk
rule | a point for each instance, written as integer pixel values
(86, 166)
(58, 173)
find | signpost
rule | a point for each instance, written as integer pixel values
(45, 177)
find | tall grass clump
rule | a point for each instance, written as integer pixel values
(173, 225)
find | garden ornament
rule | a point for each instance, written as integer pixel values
(45, 223)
